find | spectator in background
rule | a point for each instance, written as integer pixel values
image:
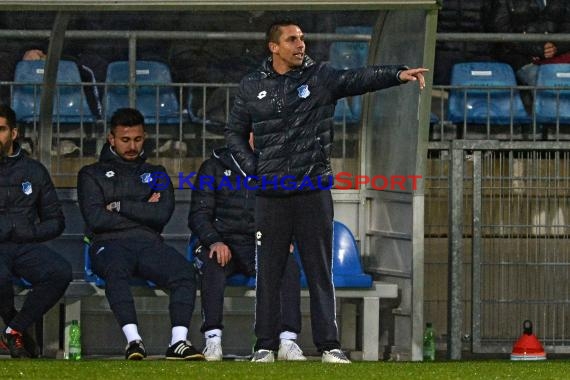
(528, 16)
(91, 55)
(222, 217)
(30, 213)
(14, 50)
(458, 16)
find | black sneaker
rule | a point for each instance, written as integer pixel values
(135, 350)
(14, 341)
(183, 350)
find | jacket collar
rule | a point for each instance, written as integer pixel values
(17, 153)
(267, 67)
(108, 154)
(228, 160)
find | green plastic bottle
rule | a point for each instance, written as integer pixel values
(74, 349)
(429, 343)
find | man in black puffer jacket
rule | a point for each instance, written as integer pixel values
(289, 105)
(30, 213)
(222, 217)
(126, 203)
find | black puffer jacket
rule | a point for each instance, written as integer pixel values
(29, 208)
(224, 210)
(291, 116)
(131, 183)
(526, 16)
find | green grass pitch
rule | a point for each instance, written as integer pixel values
(162, 369)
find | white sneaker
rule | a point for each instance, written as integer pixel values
(290, 351)
(213, 350)
(263, 356)
(335, 356)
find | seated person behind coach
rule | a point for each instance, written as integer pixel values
(126, 204)
(222, 216)
(529, 16)
(30, 213)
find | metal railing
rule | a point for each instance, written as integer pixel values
(502, 209)
(497, 223)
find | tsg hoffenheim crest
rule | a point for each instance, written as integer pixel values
(27, 187)
(303, 91)
(146, 178)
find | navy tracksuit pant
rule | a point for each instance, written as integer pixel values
(308, 219)
(118, 260)
(213, 279)
(46, 270)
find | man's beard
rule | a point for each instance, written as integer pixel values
(4, 150)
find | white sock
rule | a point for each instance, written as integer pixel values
(288, 335)
(213, 334)
(131, 332)
(179, 333)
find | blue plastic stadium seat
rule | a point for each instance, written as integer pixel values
(70, 104)
(553, 104)
(349, 55)
(237, 279)
(91, 277)
(156, 98)
(477, 106)
(347, 269)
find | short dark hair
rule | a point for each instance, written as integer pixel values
(127, 117)
(274, 31)
(9, 114)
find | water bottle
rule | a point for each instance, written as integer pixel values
(74, 349)
(429, 343)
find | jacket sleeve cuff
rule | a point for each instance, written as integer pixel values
(403, 68)
(211, 239)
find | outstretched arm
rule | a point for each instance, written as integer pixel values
(371, 78)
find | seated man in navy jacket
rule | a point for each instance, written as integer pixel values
(222, 217)
(125, 209)
(30, 213)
